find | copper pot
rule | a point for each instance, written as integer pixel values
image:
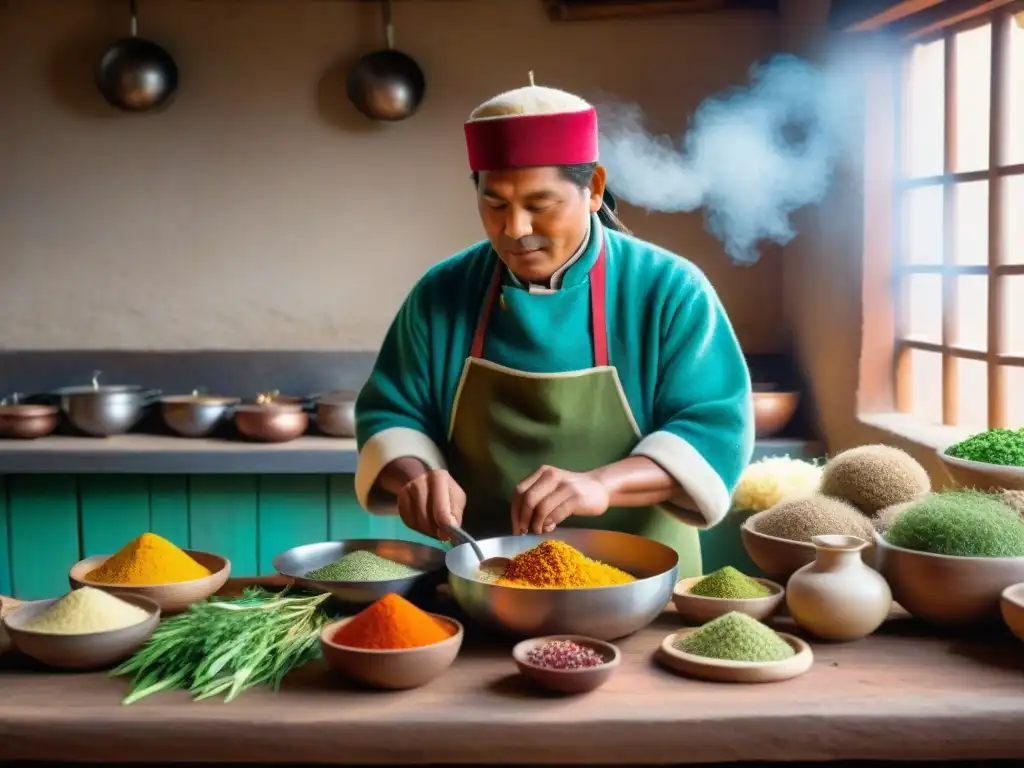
(773, 411)
(24, 421)
(336, 413)
(271, 422)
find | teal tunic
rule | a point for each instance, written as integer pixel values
(677, 356)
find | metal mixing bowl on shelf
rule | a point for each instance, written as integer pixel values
(604, 613)
(296, 562)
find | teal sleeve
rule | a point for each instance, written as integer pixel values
(397, 412)
(703, 427)
(398, 392)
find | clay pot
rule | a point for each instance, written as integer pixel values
(838, 597)
(773, 411)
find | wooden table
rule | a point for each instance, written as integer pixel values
(901, 694)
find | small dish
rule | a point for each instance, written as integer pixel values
(397, 669)
(698, 609)
(172, 598)
(568, 680)
(721, 671)
(1011, 605)
(90, 651)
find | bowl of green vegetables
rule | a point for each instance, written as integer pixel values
(949, 556)
(992, 460)
(359, 572)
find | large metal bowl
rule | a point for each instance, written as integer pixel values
(604, 613)
(296, 562)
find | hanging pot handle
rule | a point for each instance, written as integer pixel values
(389, 27)
(133, 10)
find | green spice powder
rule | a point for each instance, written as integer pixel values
(736, 637)
(959, 523)
(729, 584)
(994, 446)
(362, 565)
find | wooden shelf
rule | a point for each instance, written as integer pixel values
(155, 454)
(160, 455)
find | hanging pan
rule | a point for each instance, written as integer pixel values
(135, 74)
(387, 85)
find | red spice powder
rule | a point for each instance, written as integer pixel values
(392, 623)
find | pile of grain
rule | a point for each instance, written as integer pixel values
(873, 477)
(800, 519)
(85, 611)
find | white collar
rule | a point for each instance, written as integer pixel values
(558, 274)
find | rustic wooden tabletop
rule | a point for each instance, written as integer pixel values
(902, 694)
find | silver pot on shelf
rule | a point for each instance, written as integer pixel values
(336, 412)
(198, 414)
(104, 410)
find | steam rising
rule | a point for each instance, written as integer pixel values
(751, 156)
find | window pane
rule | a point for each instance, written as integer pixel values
(926, 375)
(972, 311)
(1013, 220)
(1014, 396)
(922, 225)
(923, 118)
(972, 394)
(922, 307)
(1014, 76)
(1013, 316)
(971, 217)
(973, 86)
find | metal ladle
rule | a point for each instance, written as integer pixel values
(490, 563)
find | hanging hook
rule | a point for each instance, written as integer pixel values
(531, 78)
(389, 27)
(135, 17)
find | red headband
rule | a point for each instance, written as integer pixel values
(530, 141)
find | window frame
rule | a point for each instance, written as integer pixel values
(884, 396)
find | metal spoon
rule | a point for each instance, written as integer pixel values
(490, 563)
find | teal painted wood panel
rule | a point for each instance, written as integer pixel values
(44, 534)
(5, 560)
(348, 520)
(168, 508)
(293, 510)
(223, 518)
(114, 510)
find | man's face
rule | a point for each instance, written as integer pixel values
(535, 218)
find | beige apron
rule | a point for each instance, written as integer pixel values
(506, 423)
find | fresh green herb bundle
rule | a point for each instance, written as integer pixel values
(226, 646)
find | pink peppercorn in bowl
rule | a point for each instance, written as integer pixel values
(567, 663)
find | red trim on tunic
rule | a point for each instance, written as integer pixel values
(531, 141)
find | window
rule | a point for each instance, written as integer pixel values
(958, 251)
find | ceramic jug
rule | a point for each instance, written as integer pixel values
(838, 597)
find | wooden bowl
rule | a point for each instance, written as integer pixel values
(1011, 605)
(697, 609)
(779, 558)
(721, 671)
(172, 598)
(983, 477)
(568, 680)
(945, 590)
(773, 411)
(90, 651)
(391, 669)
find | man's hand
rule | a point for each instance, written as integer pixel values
(550, 495)
(431, 501)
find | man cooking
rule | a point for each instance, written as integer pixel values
(560, 372)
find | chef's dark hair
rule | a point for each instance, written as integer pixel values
(581, 175)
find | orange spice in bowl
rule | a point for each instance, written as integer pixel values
(148, 560)
(392, 623)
